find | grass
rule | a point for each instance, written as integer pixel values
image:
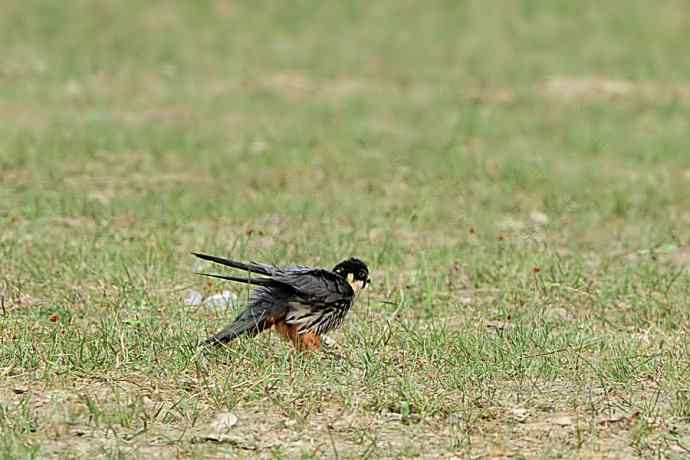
(517, 182)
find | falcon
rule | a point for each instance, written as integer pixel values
(300, 303)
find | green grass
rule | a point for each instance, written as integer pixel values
(515, 173)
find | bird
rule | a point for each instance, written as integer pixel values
(300, 303)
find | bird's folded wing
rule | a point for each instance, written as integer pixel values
(317, 286)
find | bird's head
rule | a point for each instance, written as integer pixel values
(355, 272)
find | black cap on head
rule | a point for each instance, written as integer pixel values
(353, 265)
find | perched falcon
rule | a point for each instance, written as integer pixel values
(300, 303)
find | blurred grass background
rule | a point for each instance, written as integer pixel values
(520, 166)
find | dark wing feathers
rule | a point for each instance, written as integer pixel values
(313, 284)
(321, 290)
(255, 281)
(253, 267)
(317, 286)
(264, 302)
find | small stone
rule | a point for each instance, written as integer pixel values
(539, 217)
(224, 422)
(519, 413)
(193, 298)
(225, 299)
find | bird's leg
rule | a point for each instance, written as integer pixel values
(285, 330)
(288, 332)
(308, 341)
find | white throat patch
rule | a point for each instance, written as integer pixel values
(355, 285)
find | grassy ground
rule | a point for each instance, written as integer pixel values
(516, 174)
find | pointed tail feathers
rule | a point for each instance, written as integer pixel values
(228, 333)
(241, 326)
(250, 267)
(251, 321)
(239, 279)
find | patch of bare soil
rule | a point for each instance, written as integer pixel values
(577, 88)
(537, 419)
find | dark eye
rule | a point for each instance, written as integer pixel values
(363, 275)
